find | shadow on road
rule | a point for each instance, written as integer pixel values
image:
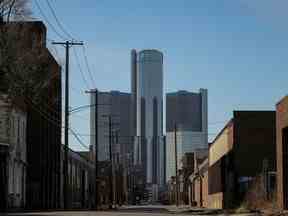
(144, 210)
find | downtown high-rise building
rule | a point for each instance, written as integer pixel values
(116, 105)
(186, 118)
(147, 103)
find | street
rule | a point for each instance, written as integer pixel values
(127, 211)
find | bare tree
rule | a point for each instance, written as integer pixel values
(14, 9)
(24, 62)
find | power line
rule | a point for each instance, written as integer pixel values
(57, 20)
(80, 117)
(70, 36)
(55, 122)
(47, 20)
(88, 67)
(80, 68)
(78, 139)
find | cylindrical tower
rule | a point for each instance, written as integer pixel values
(149, 113)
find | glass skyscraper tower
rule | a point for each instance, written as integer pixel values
(147, 99)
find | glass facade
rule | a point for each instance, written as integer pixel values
(149, 88)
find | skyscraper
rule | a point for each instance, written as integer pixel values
(117, 105)
(147, 90)
(188, 111)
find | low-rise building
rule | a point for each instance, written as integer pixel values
(193, 189)
(13, 162)
(198, 188)
(80, 171)
(282, 152)
(186, 188)
(38, 82)
(243, 150)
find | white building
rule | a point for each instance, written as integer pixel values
(13, 136)
(187, 111)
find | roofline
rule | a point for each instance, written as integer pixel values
(84, 158)
(113, 91)
(228, 124)
(232, 120)
(185, 91)
(281, 100)
(28, 22)
(150, 50)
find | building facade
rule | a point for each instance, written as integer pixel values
(80, 180)
(44, 129)
(243, 150)
(147, 90)
(43, 116)
(116, 105)
(187, 111)
(282, 150)
(13, 162)
(198, 187)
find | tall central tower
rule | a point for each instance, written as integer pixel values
(147, 88)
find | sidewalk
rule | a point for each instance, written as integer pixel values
(204, 211)
(192, 210)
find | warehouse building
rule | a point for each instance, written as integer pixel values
(243, 150)
(282, 150)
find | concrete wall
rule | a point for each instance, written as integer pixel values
(205, 190)
(220, 146)
(216, 200)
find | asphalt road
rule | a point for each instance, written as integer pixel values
(127, 211)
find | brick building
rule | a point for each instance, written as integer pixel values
(36, 76)
(44, 132)
(237, 156)
(282, 150)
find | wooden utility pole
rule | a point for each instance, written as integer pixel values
(111, 164)
(95, 92)
(176, 165)
(67, 45)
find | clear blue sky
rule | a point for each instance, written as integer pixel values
(236, 49)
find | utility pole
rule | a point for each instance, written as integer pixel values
(176, 165)
(67, 45)
(114, 169)
(111, 163)
(96, 143)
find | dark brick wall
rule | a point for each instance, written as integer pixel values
(254, 141)
(44, 140)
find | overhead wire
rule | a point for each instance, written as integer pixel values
(58, 21)
(80, 68)
(88, 66)
(78, 139)
(47, 21)
(60, 25)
